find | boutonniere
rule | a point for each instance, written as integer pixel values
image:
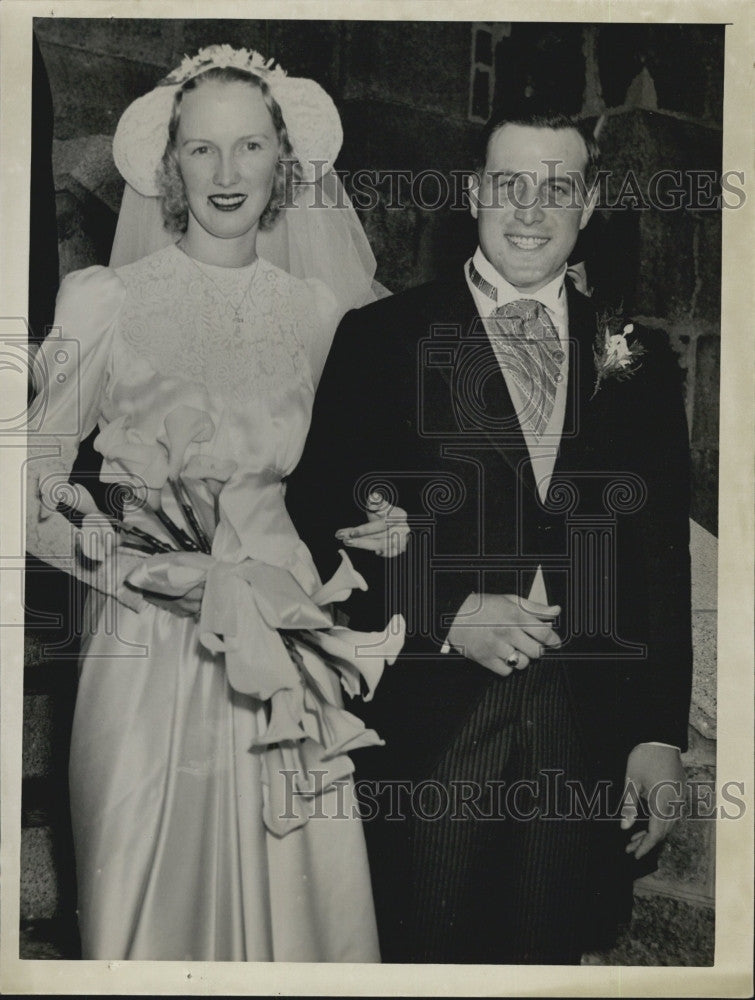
(615, 357)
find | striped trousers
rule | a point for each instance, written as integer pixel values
(483, 866)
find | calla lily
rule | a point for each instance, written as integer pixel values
(96, 537)
(55, 487)
(183, 425)
(146, 463)
(214, 472)
(340, 585)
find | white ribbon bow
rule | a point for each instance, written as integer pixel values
(282, 647)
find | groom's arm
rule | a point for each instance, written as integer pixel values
(659, 690)
(321, 493)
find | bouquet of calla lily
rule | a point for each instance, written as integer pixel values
(154, 469)
(148, 468)
(283, 645)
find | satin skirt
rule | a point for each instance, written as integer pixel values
(173, 860)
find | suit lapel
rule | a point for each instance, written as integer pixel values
(497, 423)
(579, 409)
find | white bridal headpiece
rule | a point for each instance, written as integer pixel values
(318, 236)
(311, 117)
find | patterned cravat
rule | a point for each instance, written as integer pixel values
(527, 344)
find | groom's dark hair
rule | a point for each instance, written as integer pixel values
(537, 117)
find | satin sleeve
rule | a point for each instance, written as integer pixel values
(70, 374)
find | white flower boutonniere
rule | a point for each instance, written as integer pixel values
(615, 357)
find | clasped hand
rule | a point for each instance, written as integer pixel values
(491, 628)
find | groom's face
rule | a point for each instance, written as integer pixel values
(529, 204)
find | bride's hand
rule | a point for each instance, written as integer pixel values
(386, 531)
(187, 606)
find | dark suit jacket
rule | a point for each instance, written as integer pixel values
(412, 398)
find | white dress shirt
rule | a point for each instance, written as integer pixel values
(553, 297)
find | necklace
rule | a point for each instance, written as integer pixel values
(236, 309)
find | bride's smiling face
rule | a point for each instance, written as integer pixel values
(228, 149)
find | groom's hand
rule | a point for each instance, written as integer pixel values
(492, 629)
(655, 773)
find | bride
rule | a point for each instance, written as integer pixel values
(211, 794)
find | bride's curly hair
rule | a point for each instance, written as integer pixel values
(175, 207)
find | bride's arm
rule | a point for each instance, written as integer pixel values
(70, 372)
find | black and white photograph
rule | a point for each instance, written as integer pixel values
(377, 499)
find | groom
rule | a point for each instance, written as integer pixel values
(542, 696)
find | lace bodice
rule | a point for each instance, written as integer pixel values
(237, 331)
(168, 337)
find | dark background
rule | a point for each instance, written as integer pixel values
(412, 96)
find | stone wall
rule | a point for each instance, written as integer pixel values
(412, 97)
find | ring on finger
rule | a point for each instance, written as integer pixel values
(513, 659)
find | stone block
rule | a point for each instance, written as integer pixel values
(77, 252)
(38, 940)
(69, 215)
(705, 487)
(610, 247)
(619, 51)
(703, 549)
(90, 90)
(85, 228)
(195, 34)
(646, 141)
(146, 39)
(701, 751)
(677, 259)
(666, 282)
(422, 65)
(703, 710)
(88, 161)
(381, 136)
(38, 735)
(663, 932)
(540, 62)
(686, 866)
(39, 882)
(683, 336)
(309, 48)
(34, 655)
(707, 251)
(394, 236)
(684, 61)
(705, 421)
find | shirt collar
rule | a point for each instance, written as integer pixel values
(552, 295)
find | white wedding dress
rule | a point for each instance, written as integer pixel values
(173, 858)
